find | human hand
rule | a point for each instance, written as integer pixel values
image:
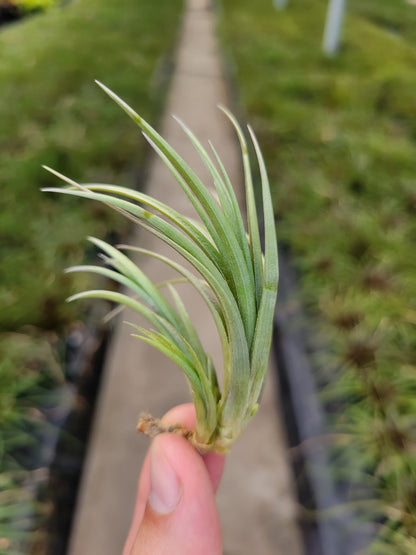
(175, 511)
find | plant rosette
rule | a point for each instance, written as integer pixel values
(235, 278)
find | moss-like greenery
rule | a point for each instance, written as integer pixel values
(397, 18)
(34, 5)
(339, 138)
(52, 113)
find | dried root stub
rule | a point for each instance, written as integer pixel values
(152, 427)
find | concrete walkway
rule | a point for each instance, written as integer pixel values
(255, 499)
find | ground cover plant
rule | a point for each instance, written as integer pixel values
(338, 139)
(397, 18)
(237, 282)
(47, 108)
(33, 5)
(51, 113)
(29, 372)
(13, 10)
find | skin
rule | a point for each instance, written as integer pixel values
(175, 511)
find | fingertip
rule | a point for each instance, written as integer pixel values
(195, 510)
(165, 480)
(181, 414)
(185, 514)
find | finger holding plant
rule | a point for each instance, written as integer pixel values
(237, 281)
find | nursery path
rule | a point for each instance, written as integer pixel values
(255, 499)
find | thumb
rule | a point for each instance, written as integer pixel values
(180, 516)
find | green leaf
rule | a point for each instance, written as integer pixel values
(225, 234)
(253, 226)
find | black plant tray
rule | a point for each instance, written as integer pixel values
(84, 364)
(326, 529)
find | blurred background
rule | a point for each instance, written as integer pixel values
(52, 113)
(338, 131)
(337, 125)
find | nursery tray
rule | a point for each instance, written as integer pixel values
(326, 531)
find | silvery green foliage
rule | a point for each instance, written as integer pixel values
(235, 278)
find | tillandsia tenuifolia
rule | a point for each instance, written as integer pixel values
(236, 280)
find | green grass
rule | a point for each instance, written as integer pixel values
(33, 362)
(52, 113)
(34, 5)
(339, 140)
(397, 17)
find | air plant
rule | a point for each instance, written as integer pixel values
(235, 279)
